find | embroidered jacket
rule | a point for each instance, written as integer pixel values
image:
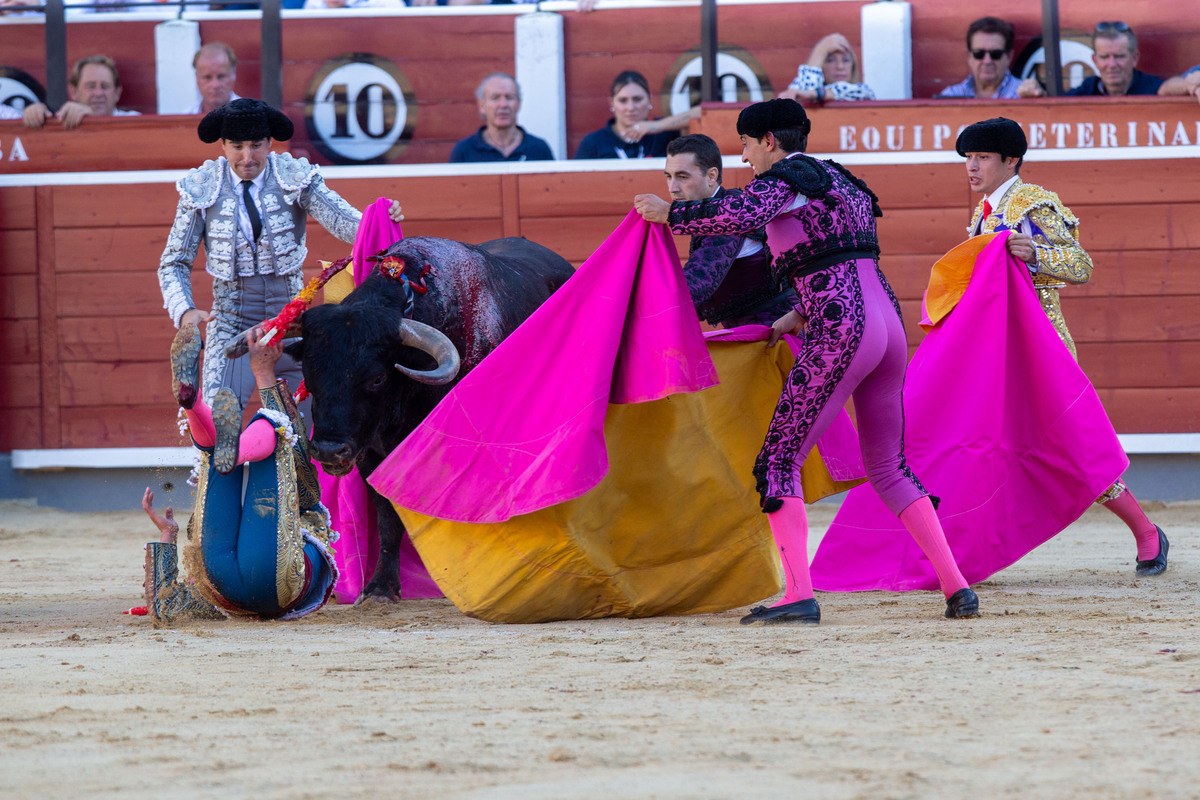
(1029, 208)
(724, 286)
(814, 212)
(208, 211)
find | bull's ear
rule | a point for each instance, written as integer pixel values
(295, 349)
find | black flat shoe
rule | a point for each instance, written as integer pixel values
(185, 365)
(963, 603)
(1158, 564)
(803, 611)
(227, 420)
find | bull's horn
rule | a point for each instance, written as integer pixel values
(239, 347)
(429, 340)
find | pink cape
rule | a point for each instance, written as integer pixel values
(1001, 424)
(525, 429)
(350, 512)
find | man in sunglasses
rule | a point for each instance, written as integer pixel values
(1115, 55)
(989, 54)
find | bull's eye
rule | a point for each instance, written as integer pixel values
(376, 383)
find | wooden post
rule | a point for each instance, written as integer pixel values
(1050, 46)
(47, 289)
(708, 51)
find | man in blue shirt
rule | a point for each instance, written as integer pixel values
(1115, 56)
(989, 55)
(500, 138)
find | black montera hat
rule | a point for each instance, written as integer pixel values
(244, 120)
(997, 135)
(773, 115)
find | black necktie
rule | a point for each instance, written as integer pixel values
(252, 211)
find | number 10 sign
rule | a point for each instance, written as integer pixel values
(360, 109)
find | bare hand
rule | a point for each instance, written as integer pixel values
(395, 213)
(195, 316)
(168, 528)
(828, 44)
(72, 114)
(1030, 88)
(790, 322)
(799, 95)
(652, 207)
(643, 128)
(1020, 246)
(264, 357)
(36, 115)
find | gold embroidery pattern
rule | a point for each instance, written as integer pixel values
(1048, 296)
(289, 553)
(1059, 256)
(1114, 491)
(279, 398)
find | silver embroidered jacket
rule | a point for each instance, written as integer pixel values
(208, 211)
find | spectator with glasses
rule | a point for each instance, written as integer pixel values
(989, 54)
(1115, 54)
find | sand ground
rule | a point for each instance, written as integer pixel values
(1076, 681)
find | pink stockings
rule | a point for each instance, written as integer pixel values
(789, 526)
(922, 523)
(1130, 511)
(256, 442)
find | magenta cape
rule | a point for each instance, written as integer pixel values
(1001, 424)
(524, 430)
(351, 514)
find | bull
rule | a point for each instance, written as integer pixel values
(374, 376)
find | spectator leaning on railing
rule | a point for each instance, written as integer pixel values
(831, 73)
(94, 88)
(989, 54)
(1115, 54)
(1185, 85)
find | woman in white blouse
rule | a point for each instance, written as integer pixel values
(831, 74)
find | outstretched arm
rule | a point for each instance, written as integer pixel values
(168, 528)
(733, 212)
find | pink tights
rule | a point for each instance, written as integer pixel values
(789, 526)
(256, 442)
(1130, 511)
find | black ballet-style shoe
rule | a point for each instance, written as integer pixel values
(1158, 564)
(805, 612)
(227, 420)
(185, 366)
(963, 603)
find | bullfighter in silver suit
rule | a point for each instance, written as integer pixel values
(249, 208)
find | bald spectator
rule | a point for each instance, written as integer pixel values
(1115, 55)
(500, 138)
(989, 55)
(216, 71)
(94, 88)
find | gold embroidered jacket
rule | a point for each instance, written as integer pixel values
(1055, 232)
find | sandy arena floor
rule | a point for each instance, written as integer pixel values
(1076, 682)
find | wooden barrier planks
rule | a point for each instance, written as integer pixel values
(84, 257)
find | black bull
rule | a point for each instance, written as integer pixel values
(363, 406)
